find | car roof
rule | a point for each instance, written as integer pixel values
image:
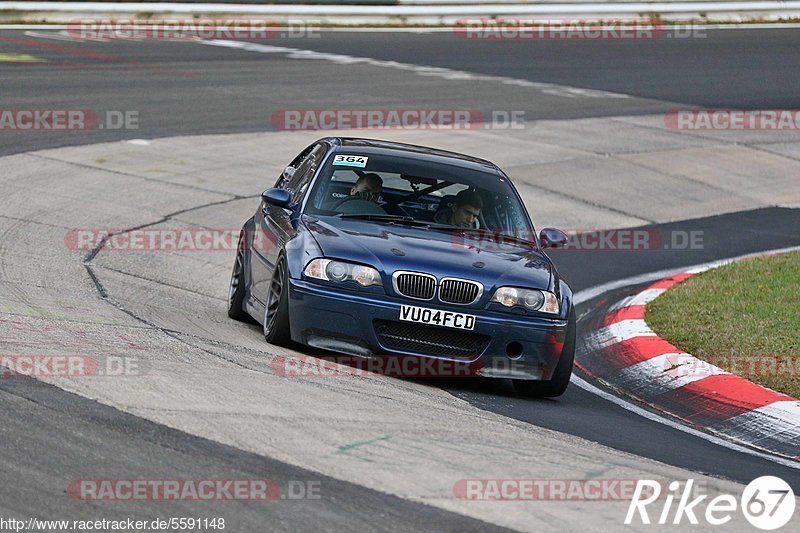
(392, 148)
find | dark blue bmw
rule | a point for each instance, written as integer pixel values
(379, 249)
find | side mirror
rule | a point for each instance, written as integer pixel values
(277, 197)
(552, 238)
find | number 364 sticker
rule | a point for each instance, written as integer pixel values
(359, 161)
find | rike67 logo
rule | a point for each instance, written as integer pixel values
(767, 503)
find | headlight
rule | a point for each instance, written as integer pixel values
(531, 299)
(341, 272)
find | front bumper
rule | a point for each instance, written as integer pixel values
(351, 322)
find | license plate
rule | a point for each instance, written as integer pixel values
(435, 317)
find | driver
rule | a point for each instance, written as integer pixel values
(368, 187)
(464, 211)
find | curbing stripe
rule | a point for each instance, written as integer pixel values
(622, 331)
(633, 312)
(770, 427)
(627, 355)
(715, 399)
(607, 362)
(664, 373)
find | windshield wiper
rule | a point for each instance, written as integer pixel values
(385, 218)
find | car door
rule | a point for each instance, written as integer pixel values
(277, 225)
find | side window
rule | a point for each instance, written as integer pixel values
(304, 171)
(281, 179)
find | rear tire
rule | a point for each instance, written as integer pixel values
(236, 290)
(557, 385)
(276, 314)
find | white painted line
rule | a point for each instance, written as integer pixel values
(61, 35)
(646, 296)
(703, 268)
(54, 35)
(421, 70)
(642, 298)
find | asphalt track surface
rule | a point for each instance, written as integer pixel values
(184, 88)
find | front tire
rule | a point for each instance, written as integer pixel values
(276, 314)
(236, 289)
(557, 385)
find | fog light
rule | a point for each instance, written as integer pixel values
(514, 350)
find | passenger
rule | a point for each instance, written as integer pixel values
(368, 187)
(463, 212)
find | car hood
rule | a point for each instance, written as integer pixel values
(390, 247)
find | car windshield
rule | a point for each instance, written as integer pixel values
(406, 190)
